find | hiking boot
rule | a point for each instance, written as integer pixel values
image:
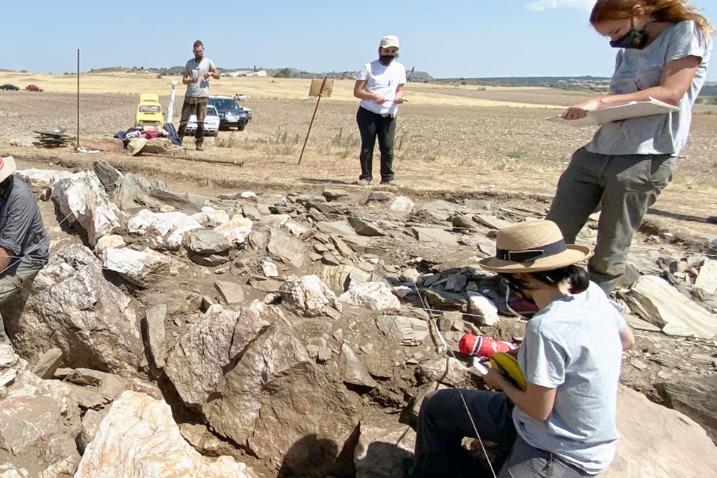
(363, 182)
(200, 147)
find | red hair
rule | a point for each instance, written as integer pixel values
(670, 11)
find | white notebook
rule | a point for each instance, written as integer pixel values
(634, 109)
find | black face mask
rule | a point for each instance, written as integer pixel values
(386, 59)
(514, 287)
(633, 39)
(198, 58)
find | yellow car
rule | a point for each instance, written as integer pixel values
(149, 111)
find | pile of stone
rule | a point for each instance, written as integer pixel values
(296, 334)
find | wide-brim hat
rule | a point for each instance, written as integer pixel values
(7, 167)
(532, 246)
(389, 41)
(136, 145)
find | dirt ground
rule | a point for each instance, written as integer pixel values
(510, 155)
(440, 148)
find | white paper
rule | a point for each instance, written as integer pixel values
(633, 109)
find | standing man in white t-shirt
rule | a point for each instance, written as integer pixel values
(379, 85)
(196, 76)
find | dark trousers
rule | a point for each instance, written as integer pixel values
(626, 185)
(371, 126)
(443, 422)
(198, 106)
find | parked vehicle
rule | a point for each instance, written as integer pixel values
(211, 122)
(33, 88)
(8, 86)
(230, 113)
(239, 96)
(149, 111)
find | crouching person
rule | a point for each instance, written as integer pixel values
(563, 423)
(24, 244)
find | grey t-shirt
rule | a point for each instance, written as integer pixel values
(197, 69)
(637, 70)
(574, 346)
(21, 227)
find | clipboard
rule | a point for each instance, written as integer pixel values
(634, 109)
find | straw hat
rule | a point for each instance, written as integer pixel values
(136, 145)
(7, 167)
(532, 246)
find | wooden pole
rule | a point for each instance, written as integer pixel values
(306, 140)
(77, 148)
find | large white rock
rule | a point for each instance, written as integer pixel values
(196, 364)
(658, 442)
(656, 301)
(282, 407)
(82, 198)
(235, 230)
(309, 296)
(139, 439)
(482, 307)
(372, 296)
(408, 331)
(108, 242)
(75, 309)
(707, 278)
(164, 228)
(210, 217)
(41, 178)
(138, 267)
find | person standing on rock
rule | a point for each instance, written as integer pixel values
(563, 422)
(24, 244)
(379, 86)
(664, 49)
(196, 76)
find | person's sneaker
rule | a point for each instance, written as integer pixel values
(363, 182)
(389, 182)
(200, 147)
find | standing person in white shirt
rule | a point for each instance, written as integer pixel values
(379, 85)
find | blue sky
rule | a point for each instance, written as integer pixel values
(460, 38)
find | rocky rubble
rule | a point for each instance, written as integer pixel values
(260, 334)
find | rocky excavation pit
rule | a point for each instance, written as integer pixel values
(272, 333)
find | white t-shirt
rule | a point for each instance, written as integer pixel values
(574, 346)
(382, 80)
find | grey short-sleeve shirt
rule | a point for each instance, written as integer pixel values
(21, 227)
(638, 70)
(574, 346)
(199, 69)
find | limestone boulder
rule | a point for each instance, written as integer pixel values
(276, 396)
(163, 229)
(372, 296)
(196, 364)
(138, 438)
(39, 179)
(658, 442)
(141, 268)
(310, 297)
(382, 447)
(84, 201)
(76, 310)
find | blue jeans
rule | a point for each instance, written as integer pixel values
(443, 422)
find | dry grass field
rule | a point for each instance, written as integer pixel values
(450, 139)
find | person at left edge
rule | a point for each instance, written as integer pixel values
(24, 244)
